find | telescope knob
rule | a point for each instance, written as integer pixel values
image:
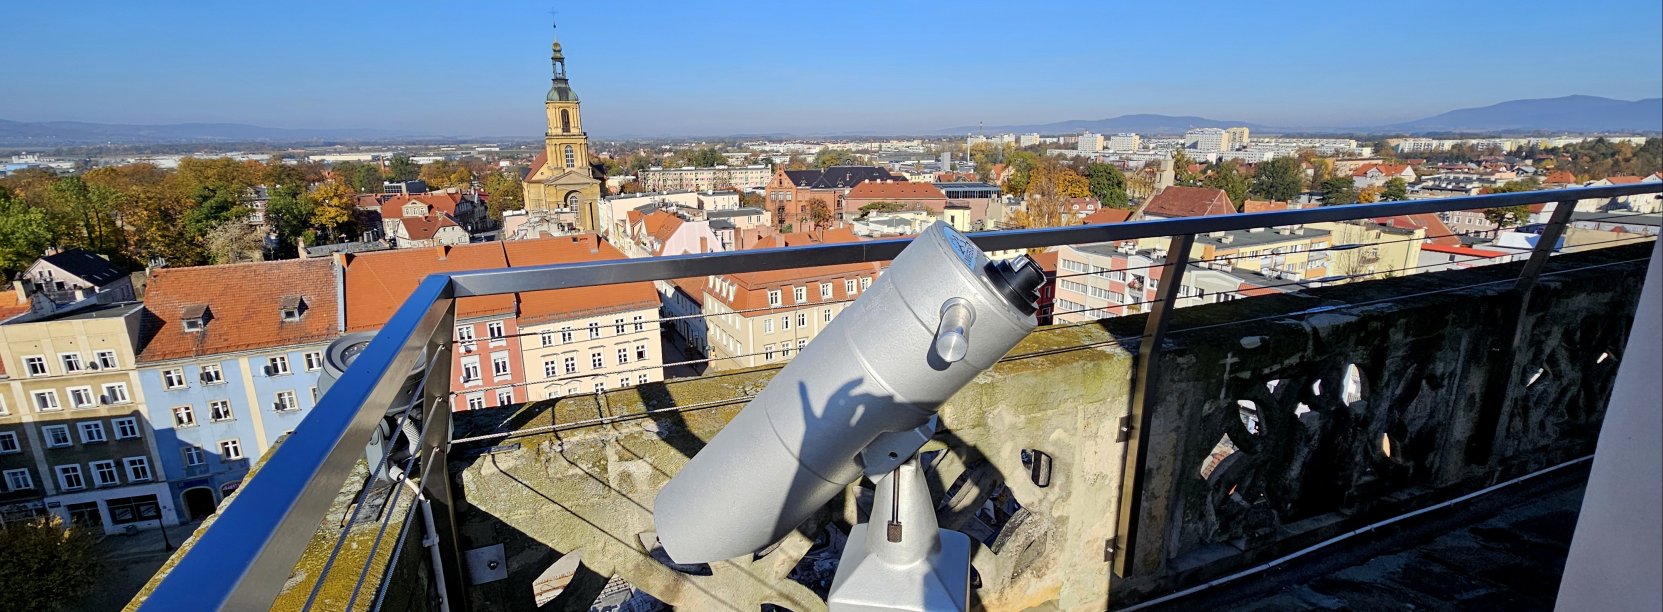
(952, 340)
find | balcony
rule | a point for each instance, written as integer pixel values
(1187, 447)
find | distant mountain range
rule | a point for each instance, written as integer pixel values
(1579, 114)
(72, 133)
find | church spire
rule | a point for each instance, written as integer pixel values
(560, 91)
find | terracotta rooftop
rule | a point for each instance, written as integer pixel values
(445, 202)
(377, 283)
(1436, 231)
(559, 304)
(1253, 206)
(751, 288)
(1180, 201)
(895, 190)
(243, 305)
(424, 228)
(1623, 180)
(1108, 215)
(1386, 169)
(660, 225)
(537, 163)
(1462, 250)
(1560, 177)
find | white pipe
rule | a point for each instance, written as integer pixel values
(1348, 535)
(431, 542)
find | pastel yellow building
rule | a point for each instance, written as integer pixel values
(562, 179)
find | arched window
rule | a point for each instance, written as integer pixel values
(571, 200)
(565, 120)
(571, 156)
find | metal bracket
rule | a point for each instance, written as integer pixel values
(1109, 549)
(1123, 432)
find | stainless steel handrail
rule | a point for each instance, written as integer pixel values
(242, 560)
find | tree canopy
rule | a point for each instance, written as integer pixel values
(1108, 185)
(827, 158)
(1230, 177)
(1279, 179)
(1338, 190)
(48, 566)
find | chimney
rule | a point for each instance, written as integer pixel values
(300, 246)
(341, 259)
(22, 287)
(704, 244)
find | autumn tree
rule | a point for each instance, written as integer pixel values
(1228, 176)
(631, 187)
(751, 199)
(366, 178)
(25, 233)
(1108, 185)
(85, 216)
(1050, 187)
(701, 157)
(819, 213)
(153, 205)
(1396, 190)
(1182, 174)
(332, 207)
(235, 243)
(1369, 194)
(827, 158)
(504, 194)
(1279, 179)
(402, 168)
(1509, 216)
(48, 565)
(1021, 165)
(1338, 190)
(445, 174)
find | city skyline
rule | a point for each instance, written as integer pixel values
(698, 70)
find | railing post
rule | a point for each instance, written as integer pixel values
(1504, 361)
(435, 474)
(1134, 430)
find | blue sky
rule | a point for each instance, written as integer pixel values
(698, 68)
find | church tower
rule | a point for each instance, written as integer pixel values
(562, 179)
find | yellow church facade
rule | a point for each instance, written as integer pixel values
(562, 180)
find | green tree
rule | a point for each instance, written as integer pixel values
(1396, 190)
(48, 566)
(1338, 190)
(25, 233)
(1108, 185)
(1229, 177)
(365, 178)
(402, 168)
(1509, 216)
(1279, 179)
(85, 216)
(504, 193)
(1182, 174)
(827, 158)
(701, 157)
(880, 207)
(289, 212)
(1022, 164)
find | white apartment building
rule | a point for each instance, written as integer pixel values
(1238, 137)
(705, 179)
(1089, 143)
(1208, 140)
(1125, 141)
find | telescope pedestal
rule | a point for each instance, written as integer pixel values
(899, 559)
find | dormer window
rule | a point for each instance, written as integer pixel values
(291, 308)
(195, 317)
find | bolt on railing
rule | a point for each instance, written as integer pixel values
(244, 558)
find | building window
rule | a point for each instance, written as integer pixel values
(550, 369)
(183, 416)
(69, 477)
(801, 342)
(116, 393)
(499, 366)
(547, 338)
(464, 335)
(8, 443)
(36, 365)
(505, 397)
(106, 359)
(639, 325)
(565, 121)
(865, 282)
(571, 157)
(277, 365)
(618, 326)
(849, 286)
(826, 315)
(641, 379)
(57, 436)
(194, 456)
(825, 291)
(600, 386)
(774, 297)
(46, 401)
(3, 409)
(103, 473)
(768, 326)
(19, 480)
(496, 332)
(571, 364)
(476, 401)
(219, 410)
(594, 330)
(799, 294)
(640, 352)
(124, 510)
(623, 381)
(230, 449)
(470, 372)
(314, 360)
(80, 397)
(138, 468)
(768, 352)
(785, 322)
(211, 375)
(565, 334)
(595, 360)
(126, 427)
(173, 378)
(71, 361)
(623, 355)
(802, 319)
(92, 432)
(287, 402)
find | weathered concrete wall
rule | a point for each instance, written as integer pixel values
(592, 487)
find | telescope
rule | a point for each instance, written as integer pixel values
(860, 400)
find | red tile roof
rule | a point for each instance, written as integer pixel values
(243, 303)
(537, 162)
(895, 190)
(1623, 180)
(424, 228)
(445, 202)
(1462, 250)
(751, 288)
(1253, 206)
(1180, 201)
(1385, 169)
(1560, 177)
(660, 225)
(1108, 215)
(538, 307)
(377, 283)
(1436, 231)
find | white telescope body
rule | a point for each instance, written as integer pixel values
(871, 381)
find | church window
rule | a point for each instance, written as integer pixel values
(565, 121)
(571, 157)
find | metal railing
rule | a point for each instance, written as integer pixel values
(243, 559)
